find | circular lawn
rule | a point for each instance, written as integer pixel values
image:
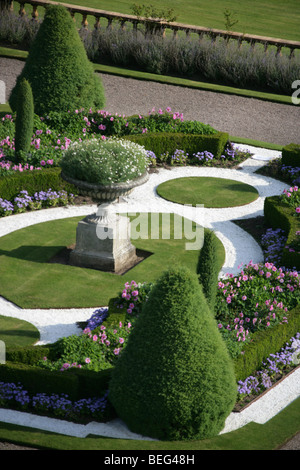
(207, 191)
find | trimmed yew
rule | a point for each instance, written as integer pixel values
(175, 379)
(24, 118)
(57, 67)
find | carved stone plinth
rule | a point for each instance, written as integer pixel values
(103, 242)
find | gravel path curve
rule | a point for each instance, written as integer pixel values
(239, 116)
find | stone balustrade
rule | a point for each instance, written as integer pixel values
(155, 25)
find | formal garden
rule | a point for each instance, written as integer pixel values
(171, 348)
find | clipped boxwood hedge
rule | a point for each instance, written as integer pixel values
(291, 155)
(163, 142)
(265, 343)
(33, 181)
(280, 215)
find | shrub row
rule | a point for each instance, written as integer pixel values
(76, 383)
(291, 155)
(279, 215)
(160, 143)
(79, 383)
(265, 343)
(33, 181)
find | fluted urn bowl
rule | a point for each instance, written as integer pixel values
(102, 193)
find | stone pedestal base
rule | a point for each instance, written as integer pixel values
(103, 242)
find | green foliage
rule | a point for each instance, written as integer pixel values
(150, 11)
(265, 343)
(24, 119)
(208, 267)
(291, 155)
(32, 181)
(230, 19)
(164, 142)
(104, 162)
(280, 215)
(174, 380)
(57, 67)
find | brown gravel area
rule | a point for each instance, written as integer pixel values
(241, 117)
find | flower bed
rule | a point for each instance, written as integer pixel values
(39, 200)
(274, 368)
(54, 133)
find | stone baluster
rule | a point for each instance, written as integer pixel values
(22, 11)
(97, 22)
(72, 13)
(292, 53)
(34, 13)
(84, 22)
(109, 22)
(278, 51)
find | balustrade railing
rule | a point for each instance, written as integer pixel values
(154, 25)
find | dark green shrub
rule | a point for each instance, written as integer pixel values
(24, 118)
(174, 380)
(280, 215)
(208, 267)
(291, 155)
(264, 343)
(32, 181)
(161, 143)
(57, 68)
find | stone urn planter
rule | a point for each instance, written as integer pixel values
(103, 238)
(109, 193)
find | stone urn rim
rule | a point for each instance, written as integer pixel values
(118, 189)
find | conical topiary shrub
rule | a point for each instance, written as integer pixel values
(57, 68)
(175, 379)
(208, 267)
(24, 118)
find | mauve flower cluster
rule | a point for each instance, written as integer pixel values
(291, 171)
(273, 242)
(275, 366)
(14, 396)
(39, 200)
(97, 318)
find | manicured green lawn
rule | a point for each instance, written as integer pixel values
(273, 18)
(30, 281)
(209, 191)
(17, 333)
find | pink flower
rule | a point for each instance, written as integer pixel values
(87, 360)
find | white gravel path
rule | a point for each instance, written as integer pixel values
(240, 249)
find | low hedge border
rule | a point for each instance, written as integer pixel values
(291, 155)
(265, 343)
(163, 142)
(279, 215)
(33, 181)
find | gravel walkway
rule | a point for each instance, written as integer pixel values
(239, 116)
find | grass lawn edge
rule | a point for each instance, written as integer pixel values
(269, 436)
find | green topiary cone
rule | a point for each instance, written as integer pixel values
(175, 379)
(57, 68)
(208, 267)
(24, 118)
